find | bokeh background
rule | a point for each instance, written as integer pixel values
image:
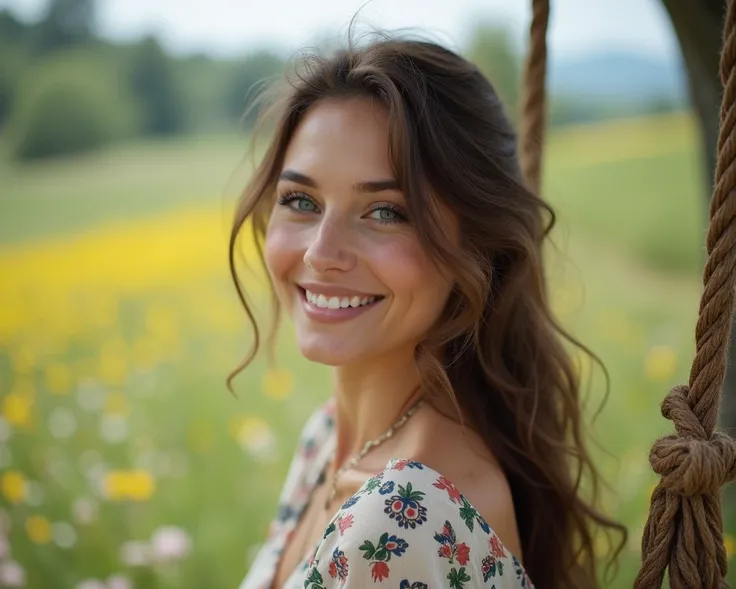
(124, 460)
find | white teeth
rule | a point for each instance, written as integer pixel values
(324, 302)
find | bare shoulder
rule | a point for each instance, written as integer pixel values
(461, 456)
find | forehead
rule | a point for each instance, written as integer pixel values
(347, 136)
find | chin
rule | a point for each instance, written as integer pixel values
(326, 355)
(329, 351)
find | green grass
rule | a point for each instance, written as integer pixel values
(122, 182)
(621, 223)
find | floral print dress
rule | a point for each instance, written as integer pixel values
(408, 527)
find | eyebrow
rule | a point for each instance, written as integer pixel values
(368, 186)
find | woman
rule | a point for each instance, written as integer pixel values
(400, 238)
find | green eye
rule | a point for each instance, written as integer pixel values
(303, 204)
(298, 201)
(387, 215)
(384, 215)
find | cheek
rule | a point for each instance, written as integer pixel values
(281, 252)
(412, 278)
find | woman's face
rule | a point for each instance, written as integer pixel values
(341, 249)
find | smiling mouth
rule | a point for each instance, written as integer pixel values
(334, 302)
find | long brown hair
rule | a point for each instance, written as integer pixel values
(497, 350)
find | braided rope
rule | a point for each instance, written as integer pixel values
(533, 113)
(684, 530)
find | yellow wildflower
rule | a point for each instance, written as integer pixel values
(103, 312)
(660, 363)
(24, 387)
(161, 323)
(730, 543)
(256, 436)
(17, 409)
(278, 384)
(14, 486)
(38, 529)
(23, 359)
(112, 369)
(145, 352)
(58, 378)
(134, 485)
(117, 404)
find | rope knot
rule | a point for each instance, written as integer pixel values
(688, 463)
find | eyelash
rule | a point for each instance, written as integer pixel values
(291, 196)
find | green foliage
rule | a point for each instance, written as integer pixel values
(249, 79)
(11, 66)
(69, 102)
(153, 83)
(491, 50)
(11, 29)
(203, 83)
(66, 23)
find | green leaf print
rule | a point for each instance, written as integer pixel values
(468, 513)
(458, 578)
(314, 579)
(368, 548)
(372, 484)
(331, 528)
(408, 493)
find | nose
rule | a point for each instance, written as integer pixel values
(330, 248)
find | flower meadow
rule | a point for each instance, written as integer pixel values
(115, 421)
(125, 462)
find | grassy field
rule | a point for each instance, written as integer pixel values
(124, 456)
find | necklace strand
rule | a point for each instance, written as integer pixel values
(367, 447)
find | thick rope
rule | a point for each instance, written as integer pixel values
(685, 531)
(533, 110)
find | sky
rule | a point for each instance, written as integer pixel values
(232, 27)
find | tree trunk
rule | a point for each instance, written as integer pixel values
(699, 28)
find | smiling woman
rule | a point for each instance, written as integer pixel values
(340, 233)
(401, 240)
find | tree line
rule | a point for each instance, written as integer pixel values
(64, 88)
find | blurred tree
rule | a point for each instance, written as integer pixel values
(12, 29)
(249, 78)
(10, 69)
(65, 23)
(204, 83)
(491, 49)
(152, 80)
(14, 35)
(699, 27)
(69, 102)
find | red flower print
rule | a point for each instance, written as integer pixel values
(344, 522)
(497, 549)
(379, 570)
(445, 485)
(446, 551)
(338, 565)
(463, 553)
(400, 464)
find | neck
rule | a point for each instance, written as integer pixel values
(370, 396)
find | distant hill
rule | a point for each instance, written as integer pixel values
(619, 77)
